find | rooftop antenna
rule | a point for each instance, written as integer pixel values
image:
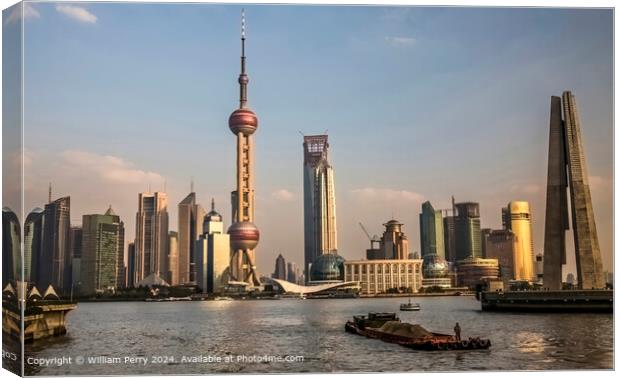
(191, 186)
(49, 194)
(165, 185)
(212, 204)
(300, 132)
(149, 189)
(453, 206)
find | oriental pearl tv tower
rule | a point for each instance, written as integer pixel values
(244, 234)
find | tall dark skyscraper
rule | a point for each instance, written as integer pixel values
(567, 167)
(151, 241)
(33, 243)
(76, 256)
(131, 265)
(191, 217)
(280, 269)
(449, 233)
(11, 245)
(467, 230)
(55, 262)
(320, 234)
(103, 251)
(431, 231)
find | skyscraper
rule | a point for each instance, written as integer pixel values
(516, 217)
(191, 216)
(292, 272)
(173, 258)
(212, 254)
(449, 233)
(279, 271)
(467, 230)
(320, 236)
(76, 256)
(131, 264)
(55, 262)
(566, 154)
(11, 247)
(502, 245)
(103, 251)
(431, 231)
(151, 235)
(33, 239)
(244, 234)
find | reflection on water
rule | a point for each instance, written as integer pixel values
(530, 342)
(314, 329)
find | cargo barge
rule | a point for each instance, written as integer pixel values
(387, 327)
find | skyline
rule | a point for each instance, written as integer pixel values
(519, 144)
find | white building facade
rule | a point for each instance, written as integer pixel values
(379, 276)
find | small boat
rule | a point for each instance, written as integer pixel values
(387, 327)
(409, 306)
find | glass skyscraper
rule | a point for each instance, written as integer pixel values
(191, 217)
(55, 262)
(467, 230)
(431, 231)
(320, 236)
(33, 239)
(103, 251)
(151, 235)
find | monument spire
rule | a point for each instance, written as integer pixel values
(243, 77)
(244, 234)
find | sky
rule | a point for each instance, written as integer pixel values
(419, 104)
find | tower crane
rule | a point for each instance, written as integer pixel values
(373, 240)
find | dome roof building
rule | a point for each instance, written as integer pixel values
(327, 267)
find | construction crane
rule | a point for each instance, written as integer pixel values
(373, 240)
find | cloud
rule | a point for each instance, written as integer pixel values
(77, 13)
(401, 41)
(384, 194)
(16, 14)
(106, 167)
(283, 195)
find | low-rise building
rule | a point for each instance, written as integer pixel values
(473, 270)
(383, 276)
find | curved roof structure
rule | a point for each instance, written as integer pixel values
(290, 287)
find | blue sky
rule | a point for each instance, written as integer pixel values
(419, 103)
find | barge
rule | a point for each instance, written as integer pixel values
(548, 301)
(388, 327)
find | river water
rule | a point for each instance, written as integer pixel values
(269, 335)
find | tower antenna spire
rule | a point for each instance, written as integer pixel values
(243, 77)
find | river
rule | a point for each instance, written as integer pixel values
(292, 335)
